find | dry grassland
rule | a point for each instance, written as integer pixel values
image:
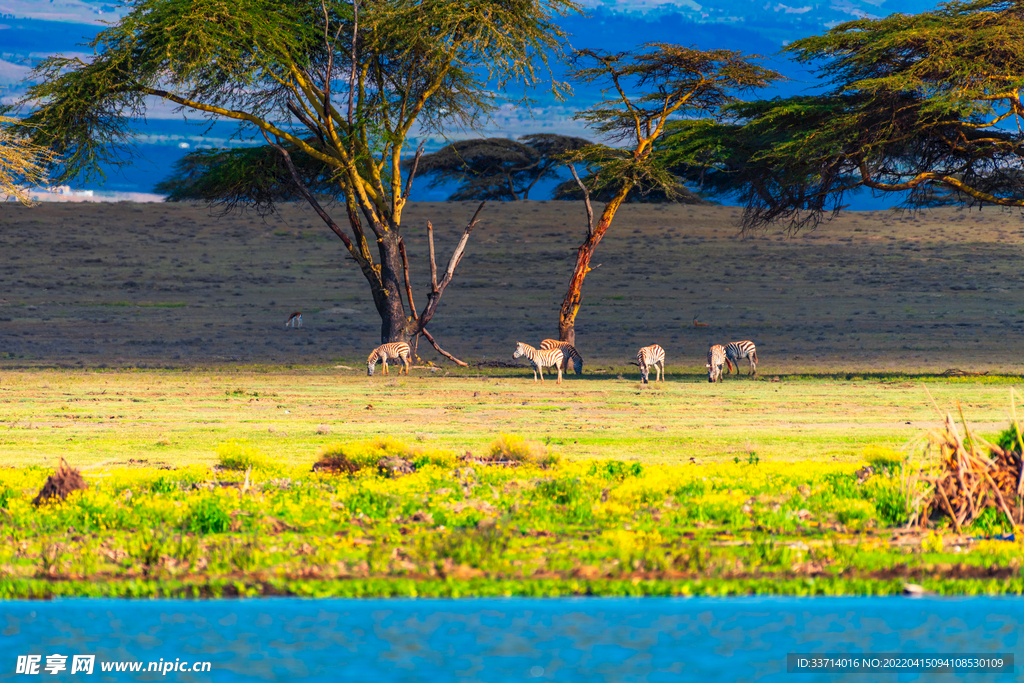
(91, 285)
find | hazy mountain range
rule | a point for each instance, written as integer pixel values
(33, 29)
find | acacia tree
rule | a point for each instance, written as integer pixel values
(575, 191)
(342, 83)
(497, 168)
(21, 162)
(250, 177)
(646, 90)
(928, 105)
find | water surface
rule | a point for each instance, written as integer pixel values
(589, 640)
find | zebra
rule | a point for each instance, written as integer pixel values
(540, 359)
(399, 351)
(569, 351)
(648, 357)
(737, 351)
(294, 320)
(716, 359)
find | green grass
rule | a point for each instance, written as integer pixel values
(597, 528)
(683, 489)
(177, 417)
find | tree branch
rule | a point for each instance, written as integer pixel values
(438, 287)
(433, 261)
(442, 351)
(408, 286)
(352, 74)
(329, 70)
(308, 196)
(941, 179)
(586, 201)
(415, 164)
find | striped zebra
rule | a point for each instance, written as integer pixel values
(737, 351)
(399, 351)
(568, 351)
(540, 359)
(716, 359)
(648, 357)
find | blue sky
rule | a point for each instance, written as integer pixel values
(32, 29)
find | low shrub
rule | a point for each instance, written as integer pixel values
(349, 458)
(207, 516)
(615, 469)
(891, 505)
(991, 522)
(373, 504)
(237, 455)
(514, 448)
(1010, 439)
(884, 460)
(853, 512)
(335, 461)
(478, 548)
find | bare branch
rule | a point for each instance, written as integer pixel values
(442, 351)
(412, 171)
(329, 69)
(586, 201)
(352, 74)
(438, 287)
(308, 196)
(433, 261)
(408, 286)
(453, 262)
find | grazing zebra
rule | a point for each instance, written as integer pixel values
(294, 320)
(737, 351)
(568, 351)
(648, 357)
(540, 359)
(716, 359)
(399, 351)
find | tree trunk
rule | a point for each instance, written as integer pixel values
(394, 325)
(574, 295)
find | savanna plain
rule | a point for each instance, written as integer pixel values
(146, 345)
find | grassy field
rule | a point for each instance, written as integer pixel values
(751, 486)
(179, 417)
(534, 524)
(146, 346)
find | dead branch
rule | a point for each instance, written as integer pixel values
(442, 351)
(586, 201)
(408, 285)
(412, 171)
(433, 261)
(307, 195)
(970, 481)
(437, 288)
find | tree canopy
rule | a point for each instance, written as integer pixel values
(343, 83)
(926, 104)
(570, 190)
(256, 177)
(21, 162)
(644, 92)
(498, 168)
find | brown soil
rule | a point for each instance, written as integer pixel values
(171, 285)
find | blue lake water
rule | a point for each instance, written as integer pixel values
(592, 640)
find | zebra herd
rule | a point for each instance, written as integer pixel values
(730, 355)
(557, 354)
